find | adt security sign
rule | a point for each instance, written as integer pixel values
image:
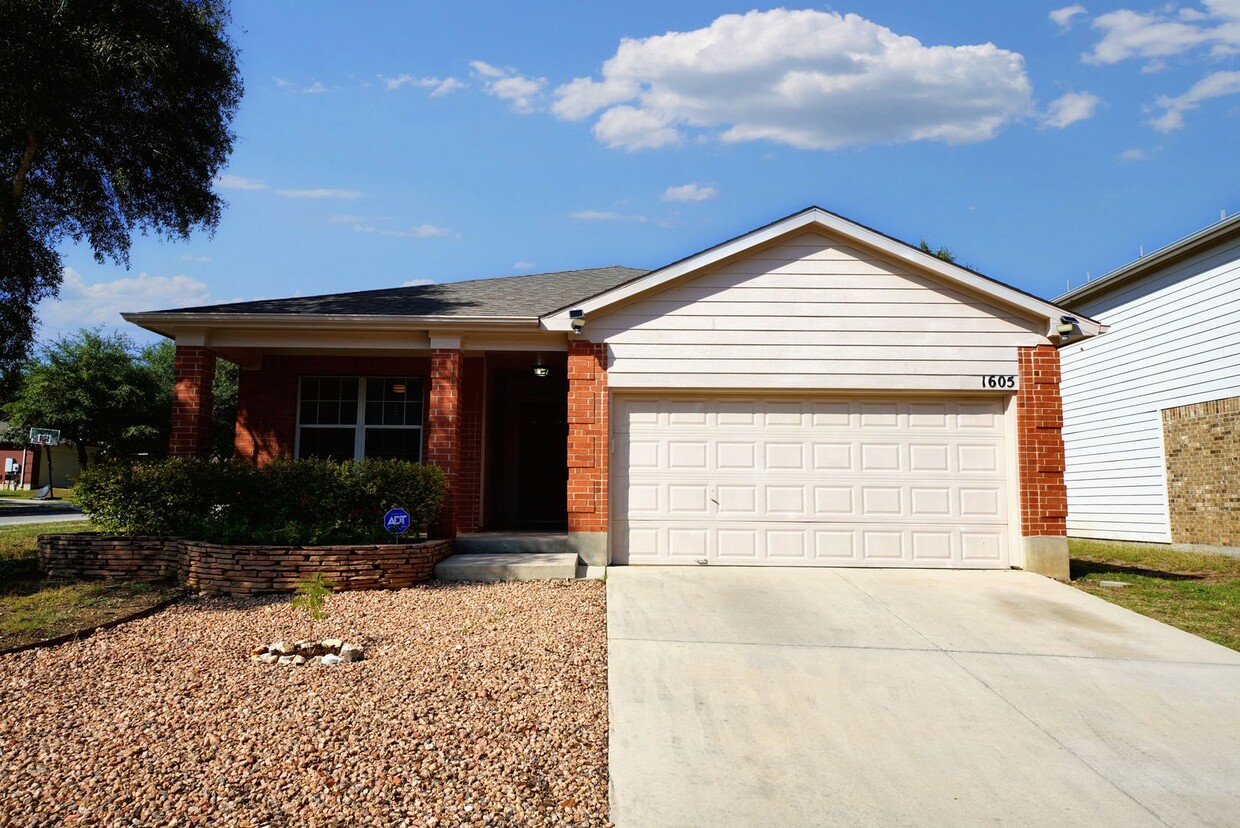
(396, 521)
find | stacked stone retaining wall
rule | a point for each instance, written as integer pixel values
(238, 569)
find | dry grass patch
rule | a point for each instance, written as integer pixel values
(1196, 592)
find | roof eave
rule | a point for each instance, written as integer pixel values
(1179, 249)
(167, 323)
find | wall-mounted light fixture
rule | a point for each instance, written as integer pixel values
(540, 368)
(577, 318)
(1066, 327)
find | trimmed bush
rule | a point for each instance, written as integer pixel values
(285, 502)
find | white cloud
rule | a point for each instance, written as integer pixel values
(82, 305)
(605, 215)
(1134, 154)
(281, 82)
(689, 192)
(519, 90)
(438, 86)
(315, 88)
(1070, 108)
(237, 182)
(1064, 17)
(1214, 85)
(1168, 32)
(522, 265)
(421, 231)
(199, 259)
(417, 282)
(808, 79)
(321, 192)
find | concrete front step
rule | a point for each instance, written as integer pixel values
(507, 566)
(476, 542)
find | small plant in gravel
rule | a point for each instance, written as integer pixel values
(311, 596)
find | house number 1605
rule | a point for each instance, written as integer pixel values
(998, 381)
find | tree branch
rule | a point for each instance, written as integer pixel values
(19, 177)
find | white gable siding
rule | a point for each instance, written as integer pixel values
(1174, 340)
(811, 312)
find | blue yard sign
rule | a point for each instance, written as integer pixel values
(396, 521)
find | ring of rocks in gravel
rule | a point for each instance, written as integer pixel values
(477, 704)
(328, 652)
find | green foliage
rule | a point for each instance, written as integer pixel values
(311, 596)
(294, 502)
(113, 117)
(943, 253)
(90, 386)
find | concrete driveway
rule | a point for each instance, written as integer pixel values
(799, 697)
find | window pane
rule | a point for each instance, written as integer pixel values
(309, 412)
(394, 443)
(328, 443)
(394, 401)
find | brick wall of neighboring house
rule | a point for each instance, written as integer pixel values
(194, 373)
(1039, 439)
(587, 437)
(267, 396)
(443, 428)
(1203, 471)
(238, 569)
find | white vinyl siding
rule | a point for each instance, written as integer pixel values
(812, 312)
(1174, 340)
(811, 482)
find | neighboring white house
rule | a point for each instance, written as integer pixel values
(1152, 407)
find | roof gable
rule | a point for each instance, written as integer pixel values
(833, 226)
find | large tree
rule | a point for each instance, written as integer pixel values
(115, 116)
(93, 389)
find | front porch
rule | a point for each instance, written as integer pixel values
(520, 431)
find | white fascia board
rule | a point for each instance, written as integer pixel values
(815, 217)
(170, 323)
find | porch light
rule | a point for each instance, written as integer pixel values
(541, 370)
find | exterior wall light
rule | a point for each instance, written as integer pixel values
(577, 318)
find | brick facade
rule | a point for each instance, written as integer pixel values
(443, 429)
(588, 435)
(194, 373)
(267, 396)
(473, 401)
(1039, 440)
(1203, 471)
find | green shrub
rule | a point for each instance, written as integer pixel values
(284, 502)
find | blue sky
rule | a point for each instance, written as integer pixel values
(384, 143)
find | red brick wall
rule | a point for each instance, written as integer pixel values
(473, 400)
(194, 372)
(267, 396)
(443, 428)
(1039, 438)
(587, 437)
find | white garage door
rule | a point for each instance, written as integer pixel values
(810, 482)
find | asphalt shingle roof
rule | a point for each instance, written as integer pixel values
(534, 295)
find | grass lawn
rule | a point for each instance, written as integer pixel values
(1195, 592)
(33, 608)
(27, 494)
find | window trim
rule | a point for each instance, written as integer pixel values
(360, 426)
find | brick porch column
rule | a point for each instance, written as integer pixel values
(588, 451)
(443, 423)
(193, 374)
(1040, 452)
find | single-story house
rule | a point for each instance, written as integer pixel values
(1152, 408)
(25, 466)
(811, 393)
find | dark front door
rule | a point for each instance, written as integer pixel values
(542, 462)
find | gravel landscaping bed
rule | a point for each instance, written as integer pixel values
(476, 704)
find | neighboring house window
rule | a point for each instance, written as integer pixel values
(348, 418)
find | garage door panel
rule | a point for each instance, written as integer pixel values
(812, 482)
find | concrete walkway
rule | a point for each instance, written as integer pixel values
(803, 697)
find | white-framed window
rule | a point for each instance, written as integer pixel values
(349, 418)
